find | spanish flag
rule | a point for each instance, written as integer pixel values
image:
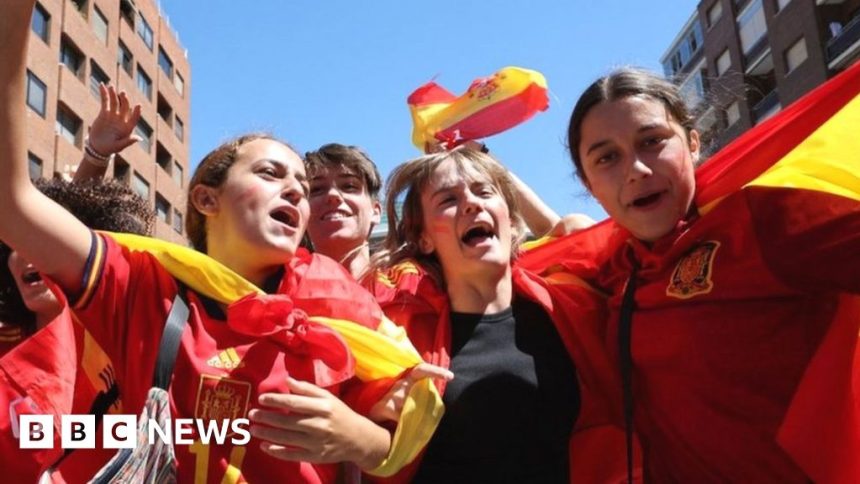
(490, 105)
(805, 163)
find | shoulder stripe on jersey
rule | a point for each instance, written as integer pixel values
(92, 270)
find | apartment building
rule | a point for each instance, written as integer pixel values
(77, 44)
(741, 61)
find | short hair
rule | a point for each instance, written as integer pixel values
(352, 157)
(620, 84)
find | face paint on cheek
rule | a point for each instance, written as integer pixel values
(440, 229)
(248, 194)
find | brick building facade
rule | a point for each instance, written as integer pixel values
(741, 61)
(74, 45)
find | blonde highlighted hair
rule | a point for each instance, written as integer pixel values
(405, 226)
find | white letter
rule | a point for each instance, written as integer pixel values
(210, 428)
(119, 431)
(163, 434)
(37, 431)
(182, 429)
(78, 431)
(236, 425)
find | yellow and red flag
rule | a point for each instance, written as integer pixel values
(490, 105)
(803, 162)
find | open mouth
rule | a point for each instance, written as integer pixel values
(286, 217)
(31, 277)
(648, 200)
(477, 234)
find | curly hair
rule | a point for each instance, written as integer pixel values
(99, 204)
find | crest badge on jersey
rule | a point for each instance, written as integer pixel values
(220, 398)
(692, 275)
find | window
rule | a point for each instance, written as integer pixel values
(80, 6)
(693, 89)
(120, 169)
(70, 56)
(35, 164)
(40, 22)
(178, 173)
(100, 25)
(751, 25)
(733, 113)
(162, 208)
(36, 93)
(163, 158)
(179, 129)
(144, 31)
(140, 186)
(127, 11)
(179, 83)
(145, 132)
(724, 62)
(164, 110)
(177, 221)
(125, 59)
(795, 55)
(68, 125)
(97, 76)
(714, 13)
(144, 83)
(165, 63)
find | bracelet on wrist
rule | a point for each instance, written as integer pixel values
(95, 157)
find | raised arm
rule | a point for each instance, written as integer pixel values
(42, 231)
(111, 132)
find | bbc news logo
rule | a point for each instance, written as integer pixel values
(120, 431)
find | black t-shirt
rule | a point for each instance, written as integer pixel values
(512, 404)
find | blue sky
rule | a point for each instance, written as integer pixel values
(315, 72)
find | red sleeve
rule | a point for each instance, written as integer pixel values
(124, 303)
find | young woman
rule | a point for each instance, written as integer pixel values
(718, 315)
(450, 278)
(247, 209)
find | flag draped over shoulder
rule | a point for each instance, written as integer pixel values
(812, 147)
(490, 105)
(385, 353)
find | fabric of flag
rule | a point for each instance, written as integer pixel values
(384, 354)
(801, 166)
(489, 106)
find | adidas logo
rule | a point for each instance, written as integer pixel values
(226, 360)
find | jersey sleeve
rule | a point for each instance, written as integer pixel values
(124, 302)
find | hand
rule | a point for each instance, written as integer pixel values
(113, 129)
(390, 406)
(571, 223)
(312, 425)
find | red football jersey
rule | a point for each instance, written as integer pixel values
(219, 372)
(733, 310)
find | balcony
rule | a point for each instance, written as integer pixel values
(845, 44)
(768, 106)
